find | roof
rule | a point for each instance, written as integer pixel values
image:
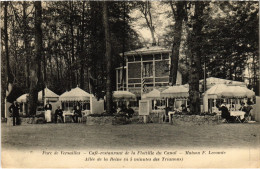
(123, 95)
(224, 91)
(76, 94)
(215, 91)
(148, 50)
(154, 94)
(237, 92)
(48, 94)
(23, 98)
(214, 80)
(180, 91)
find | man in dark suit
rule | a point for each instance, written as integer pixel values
(58, 112)
(14, 110)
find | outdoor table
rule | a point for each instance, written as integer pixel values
(85, 113)
(170, 113)
(67, 113)
(238, 114)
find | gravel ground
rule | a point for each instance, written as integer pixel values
(78, 136)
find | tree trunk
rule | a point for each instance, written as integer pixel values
(151, 23)
(35, 69)
(194, 44)
(123, 57)
(72, 70)
(82, 64)
(178, 16)
(26, 46)
(9, 75)
(108, 58)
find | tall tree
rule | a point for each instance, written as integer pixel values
(26, 44)
(179, 14)
(108, 59)
(195, 49)
(35, 69)
(145, 8)
(9, 75)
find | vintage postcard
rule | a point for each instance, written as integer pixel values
(130, 84)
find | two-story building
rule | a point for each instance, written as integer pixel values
(145, 69)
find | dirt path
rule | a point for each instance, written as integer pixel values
(129, 136)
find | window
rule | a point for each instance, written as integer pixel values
(119, 78)
(147, 57)
(131, 59)
(157, 56)
(165, 56)
(147, 69)
(137, 58)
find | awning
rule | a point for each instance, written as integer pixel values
(176, 92)
(76, 94)
(154, 94)
(224, 91)
(215, 91)
(23, 98)
(123, 95)
(237, 92)
(48, 94)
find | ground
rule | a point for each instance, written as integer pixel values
(70, 135)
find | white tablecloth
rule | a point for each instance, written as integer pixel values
(48, 115)
(237, 113)
(86, 112)
(66, 113)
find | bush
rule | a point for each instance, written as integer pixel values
(207, 113)
(101, 115)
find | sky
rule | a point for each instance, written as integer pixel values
(160, 20)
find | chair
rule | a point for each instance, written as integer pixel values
(218, 115)
(248, 117)
(59, 118)
(80, 119)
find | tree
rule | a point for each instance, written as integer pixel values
(179, 15)
(108, 58)
(194, 43)
(145, 8)
(35, 68)
(9, 76)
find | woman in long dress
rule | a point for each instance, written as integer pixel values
(48, 109)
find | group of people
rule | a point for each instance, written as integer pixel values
(225, 113)
(14, 112)
(76, 114)
(124, 111)
(182, 109)
(59, 113)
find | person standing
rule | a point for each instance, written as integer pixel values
(48, 109)
(58, 112)
(14, 109)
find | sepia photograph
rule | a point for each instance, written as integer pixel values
(130, 84)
